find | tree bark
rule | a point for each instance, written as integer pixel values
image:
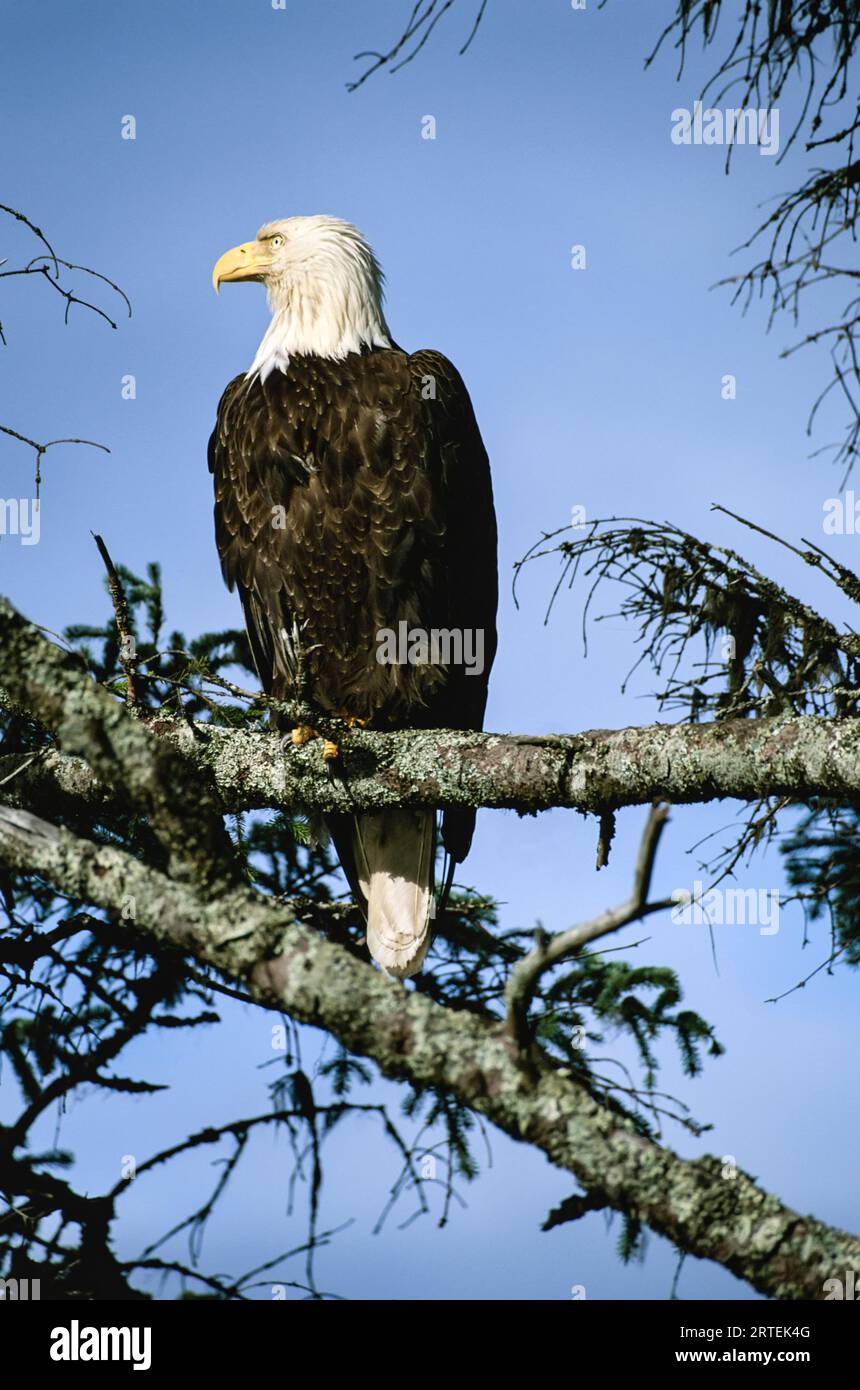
(106, 755)
(795, 757)
(285, 966)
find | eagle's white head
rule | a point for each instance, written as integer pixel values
(324, 287)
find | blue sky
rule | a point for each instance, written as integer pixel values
(598, 387)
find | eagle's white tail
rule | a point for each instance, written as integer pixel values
(394, 858)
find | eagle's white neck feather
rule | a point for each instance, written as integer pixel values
(326, 301)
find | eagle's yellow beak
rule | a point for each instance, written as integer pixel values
(250, 261)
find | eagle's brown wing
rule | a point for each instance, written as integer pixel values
(352, 497)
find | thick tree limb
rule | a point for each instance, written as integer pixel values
(285, 966)
(51, 686)
(183, 775)
(180, 775)
(744, 759)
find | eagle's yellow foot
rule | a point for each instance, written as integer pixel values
(303, 733)
(330, 748)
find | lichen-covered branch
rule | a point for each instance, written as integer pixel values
(284, 965)
(184, 776)
(745, 759)
(53, 688)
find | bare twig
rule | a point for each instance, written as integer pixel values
(19, 217)
(605, 838)
(127, 644)
(42, 449)
(426, 14)
(36, 266)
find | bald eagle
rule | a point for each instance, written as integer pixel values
(354, 514)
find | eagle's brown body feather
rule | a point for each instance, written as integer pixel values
(351, 496)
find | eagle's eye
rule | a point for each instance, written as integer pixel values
(277, 241)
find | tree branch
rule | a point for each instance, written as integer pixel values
(53, 687)
(793, 758)
(287, 967)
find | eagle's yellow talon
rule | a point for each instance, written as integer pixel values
(330, 750)
(302, 734)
